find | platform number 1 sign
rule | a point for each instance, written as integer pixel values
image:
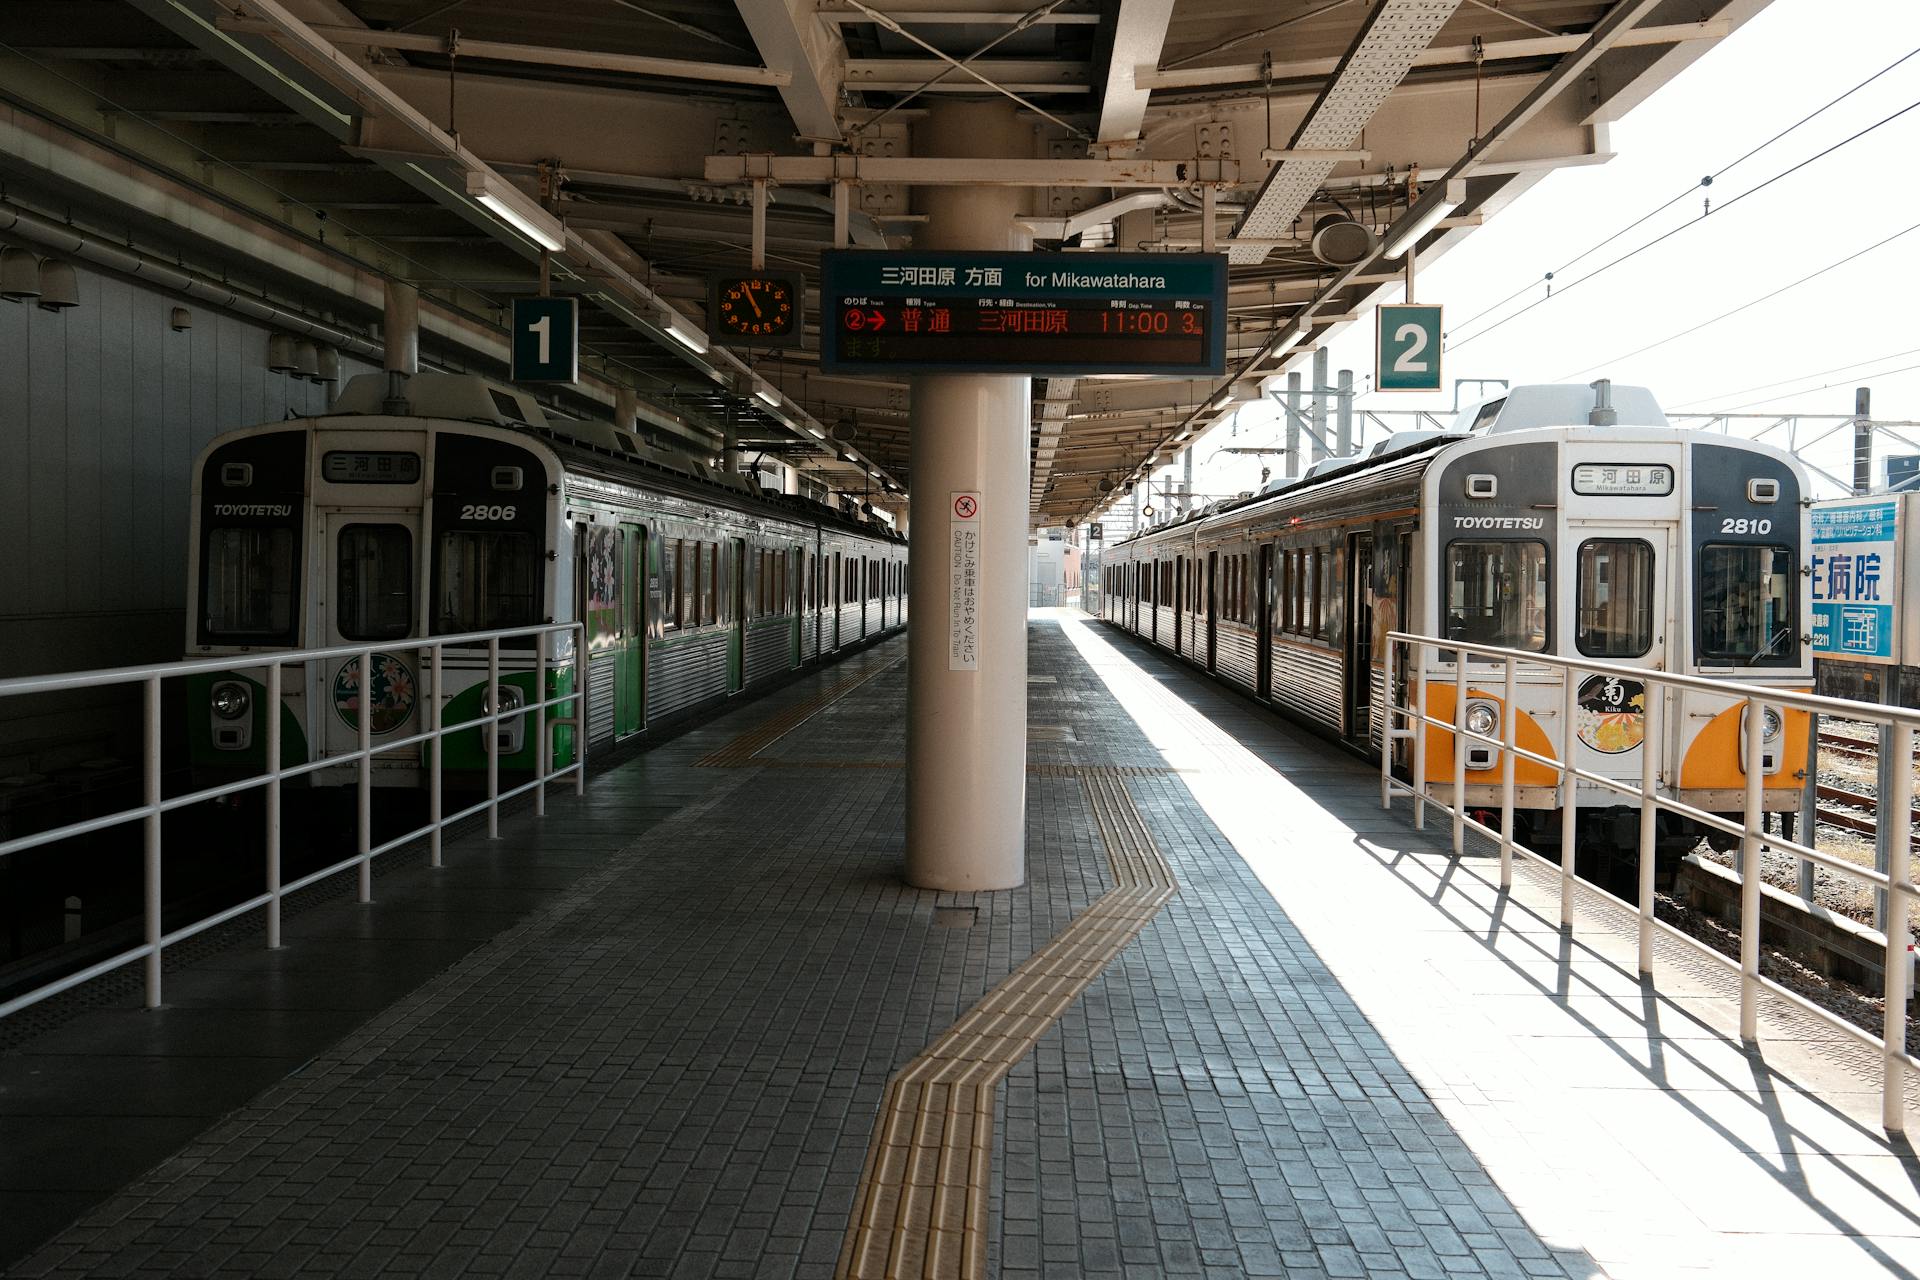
(546, 339)
(1409, 349)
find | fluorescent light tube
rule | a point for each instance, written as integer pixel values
(686, 337)
(1221, 401)
(1403, 238)
(534, 223)
(768, 394)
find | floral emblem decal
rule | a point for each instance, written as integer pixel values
(1612, 713)
(389, 694)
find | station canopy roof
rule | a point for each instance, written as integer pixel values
(363, 132)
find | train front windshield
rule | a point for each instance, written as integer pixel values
(249, 585)
(1746, 604)
(1497, 594)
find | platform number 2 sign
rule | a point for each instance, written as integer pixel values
(546, 339)
(1408, 349)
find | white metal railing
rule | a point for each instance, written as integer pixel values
(155, 805)
(1402, 722)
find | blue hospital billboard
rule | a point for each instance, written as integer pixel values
(1855, 546)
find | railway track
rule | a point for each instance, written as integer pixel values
(1851, 810)
(1846, 745)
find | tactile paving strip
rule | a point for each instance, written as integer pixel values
(922, 1206)
(742, 750)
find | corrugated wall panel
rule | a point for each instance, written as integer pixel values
(768, 646)
(102, 410)
(1307, 681)
(682, 674)
(1236, 655)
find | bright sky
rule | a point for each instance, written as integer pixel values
(1852, 326)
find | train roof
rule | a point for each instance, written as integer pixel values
(463, 397)
(1522, 408)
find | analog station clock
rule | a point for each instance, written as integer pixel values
(756, 308)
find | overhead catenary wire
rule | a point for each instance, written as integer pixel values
(1859, 380)
(1745, 306)
(1694, 222)
(1781, 382)
(1594, 248)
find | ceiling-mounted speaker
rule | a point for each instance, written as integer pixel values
(181, 320)
(59, 286)
(842, 432)
(1339, 241)
(19, 275)
(329, 366)
(280, 353)
(306, 359)
(1105, 485)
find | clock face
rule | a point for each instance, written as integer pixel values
(761, 307)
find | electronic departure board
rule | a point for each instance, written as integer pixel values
(1023, 313)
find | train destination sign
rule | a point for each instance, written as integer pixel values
(1023, 313)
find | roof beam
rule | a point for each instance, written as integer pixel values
(1395, 33)
(532, 54)
(1139, 33)
(1149, 77)
(792, 39)
(935, 171)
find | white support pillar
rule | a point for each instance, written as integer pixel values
(967, 727)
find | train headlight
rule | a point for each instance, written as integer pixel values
(1770, 723)
(1482, 718)
(230, 700)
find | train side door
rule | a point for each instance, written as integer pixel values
(1179, 603)
(1213, 607)
(1263, 661)
(732, 600)
(1359, 638)
(795, 601)
(630, 710)
(600, 564)
(369, 594)
(838, 594)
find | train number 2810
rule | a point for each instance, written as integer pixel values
(1744, 524)
(476, 511)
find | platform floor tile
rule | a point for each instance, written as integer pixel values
(1314, 1060)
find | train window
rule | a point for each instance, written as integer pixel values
(1497, 594)
(373, 596)
(488, 579)
(1318, 591)
(1613, 602)
(1746, 604)
(670, 585)
(709, 582)
(249, 584)
(689, 584)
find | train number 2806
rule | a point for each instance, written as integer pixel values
(476, 511)
(1744, 524)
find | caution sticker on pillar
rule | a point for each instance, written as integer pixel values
(963, 584)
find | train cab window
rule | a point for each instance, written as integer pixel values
(373, 591)
(1746, 605)
(1614, 599)
(487, 579)
(1497, 594)
(249, 584)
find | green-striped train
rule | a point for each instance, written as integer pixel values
(468, 509)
